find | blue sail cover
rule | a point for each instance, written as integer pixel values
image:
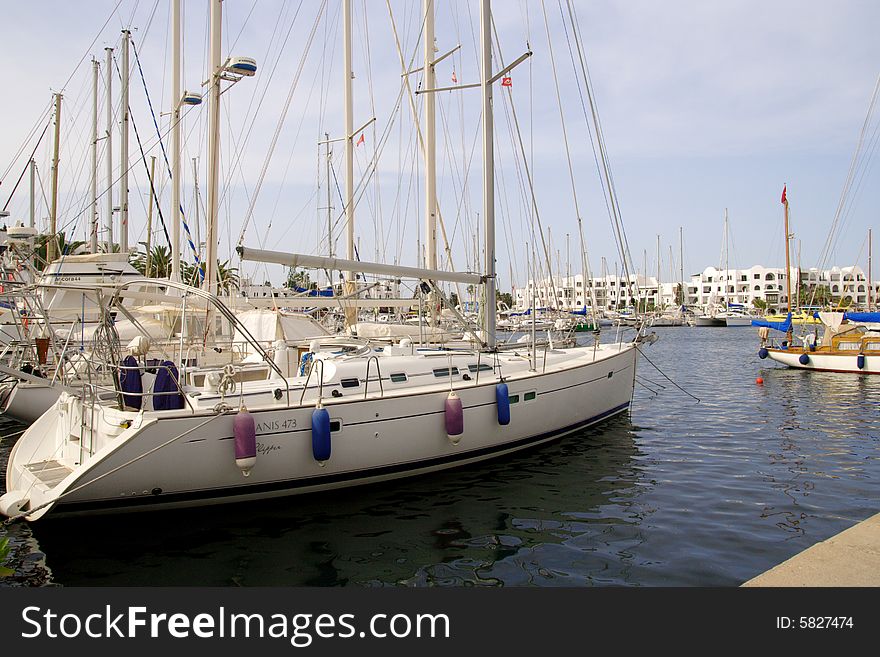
(582, 311)
(328, 292)
(785, 326)
(863, 317)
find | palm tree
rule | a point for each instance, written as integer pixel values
(63, 247)
(159, 261)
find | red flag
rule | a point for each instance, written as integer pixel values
(454, 79)
(506, 82)
(784, 200)
(361, 140)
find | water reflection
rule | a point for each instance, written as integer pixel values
(481, 525)
(687, 493)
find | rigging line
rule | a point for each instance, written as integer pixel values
(250, 120)
(244, 25)
(601, 141)
(44, 116)
(280, 124)
(33, 152)
(91, 45)
(159, 135)
(663, 374)
(831, 240)
(531, 189)
(600, 156)
(577, 211)
(161, 146)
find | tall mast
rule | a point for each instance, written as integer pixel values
(176, 96)
(215, 64)
(429, 82)
(93, 224)
(430, 141)
(329, 162)
(681, 265)
(108, 151)
(869, 270)
(657, 305)
(726, 259)
(787, 260)
(123, 149)
(349, 143)
(33, 206)
(53, 217)
(488, 170)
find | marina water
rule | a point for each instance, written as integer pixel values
(676, 493)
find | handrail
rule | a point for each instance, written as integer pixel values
(308, 378)
(378, 373)
(142, 369)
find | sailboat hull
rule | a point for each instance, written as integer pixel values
(188, 460)
(826, 362)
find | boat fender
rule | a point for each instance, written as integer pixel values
(169, 397)
(502, 401)
(763, 353)
(803, 359)
(860, 361)
(13, 503)
(320, 434)
(130, 382)
(245, 431)
(454, 415)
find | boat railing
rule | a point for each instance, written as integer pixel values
(378, 374)
(313, 365)
(117, 390)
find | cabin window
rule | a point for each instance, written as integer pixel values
(529, 396)
(849, 346)
(350, 383)
(399, 377)
(513, 399)
(445, 371)
(483, 368)
(872, 346)
(335, 425)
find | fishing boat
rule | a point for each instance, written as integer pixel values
(315, 415)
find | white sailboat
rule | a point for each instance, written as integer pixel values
(329, 413)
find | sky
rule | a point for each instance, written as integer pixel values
(705, 108)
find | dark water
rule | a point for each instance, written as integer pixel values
(678, 493)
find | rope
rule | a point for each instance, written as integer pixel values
(663, 374)
(220, 409)
(183, 221)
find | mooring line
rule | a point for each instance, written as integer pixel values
(663, 374)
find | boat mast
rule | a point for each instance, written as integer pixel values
(33, 206)
(51, 245)
(681, 265)
(123, 149)
(109, 150)
(869, 270)
(429, 82)
(350, 287)
(488, 171)
(176, 96)
(215, 64)
(726, 260)
(657, 304)
(787, 258)
(93, 224)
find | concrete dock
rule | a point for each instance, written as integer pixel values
(851, 558)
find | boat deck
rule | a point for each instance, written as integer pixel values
(49, 473)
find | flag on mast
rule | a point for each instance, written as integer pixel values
(506, 82)
(361, 140)
(454, 79)
(784, 200)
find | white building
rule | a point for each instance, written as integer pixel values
(709, 287)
